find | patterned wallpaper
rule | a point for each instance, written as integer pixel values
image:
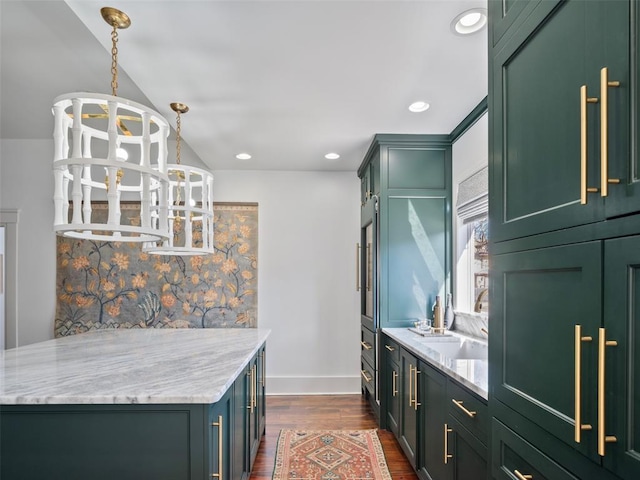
(116, 285)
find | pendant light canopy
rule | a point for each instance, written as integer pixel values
(190, 206)
(110, 150)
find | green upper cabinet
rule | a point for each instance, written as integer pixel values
(556, 120)
(412, 237)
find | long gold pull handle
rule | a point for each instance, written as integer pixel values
(603, 438)
(578, 382)
(264, 367)
(583, 144)
(447, 455)
(410, 380)
(366, 377)
(255, 386)
(251, 386)
(394, 382)
(366, 346)
(390, 348)
(521, 476)
(369, 267)
(220, 438)
(357, 267)
(458, 403)
(416, 403)
(604, 131)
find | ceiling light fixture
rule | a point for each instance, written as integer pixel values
(89, 129)
(332, 156)
(243, 156)
(418, 107)
(190, 205)
(469, 21)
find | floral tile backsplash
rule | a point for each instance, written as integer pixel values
(116, 285)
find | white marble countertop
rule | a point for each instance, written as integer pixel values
(161, 366)
(472, 373)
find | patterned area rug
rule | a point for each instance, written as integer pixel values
(330, 455)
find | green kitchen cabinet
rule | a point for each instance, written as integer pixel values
(433, 417)
(255, 405)
(547, 158)
(404, 254)
(392, 385)
(409, 405)
(220, 435)
(466, 454)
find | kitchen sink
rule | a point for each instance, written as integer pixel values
(460, 349)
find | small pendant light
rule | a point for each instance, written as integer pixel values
(190, 205)
(92, 132)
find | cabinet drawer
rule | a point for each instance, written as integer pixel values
(368, 344)
(391, 349)
(367, 373)
(511, 453)
(470, 410)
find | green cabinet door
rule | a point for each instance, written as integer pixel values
(536, 81)
(409, 404)
(392, 395)
(537, 299)
(254, 434)
(468, 454)
(433, 413)
(240, 461)
(622, 362)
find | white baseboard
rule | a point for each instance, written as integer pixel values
(284, 385)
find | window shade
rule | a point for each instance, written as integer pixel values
(473, 195)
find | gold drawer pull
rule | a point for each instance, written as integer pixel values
(416, 403)
(579, 426)
(458, 403)
(366, 377)
(604, 131)
(447, 455)
(521, 476)
(391, 349)
(584, 99)
(366, 346)
(220, 439)
(394, 381)
(603, 438)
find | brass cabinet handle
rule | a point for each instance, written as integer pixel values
(521, 476)
(264, 367)
(416, 403)
(251, 385)
(447, 455)
(219, 425)
(579, 426)
(366, 346)
(604, 131)
(458, 403)
(255, 385)
(391, 349)
(369, 267)
(394, 382)
(366, 377)
(584, 99)
(357, 267)
(410, 390)
(603, 438)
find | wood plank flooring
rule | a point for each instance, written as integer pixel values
(320, 412)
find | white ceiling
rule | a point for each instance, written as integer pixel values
(286, 81)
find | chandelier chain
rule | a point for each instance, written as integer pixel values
(178, 129)
(114, 60)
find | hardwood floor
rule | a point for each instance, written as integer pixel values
(318, 412)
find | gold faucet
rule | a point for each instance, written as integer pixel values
(477, 307)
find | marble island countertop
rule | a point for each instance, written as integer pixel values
(472, 372)
(149, 366)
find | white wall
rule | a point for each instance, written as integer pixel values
(308, 226)
(470, 153)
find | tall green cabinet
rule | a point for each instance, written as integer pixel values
(404, 254)
(565, 236)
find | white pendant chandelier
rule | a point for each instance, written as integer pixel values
(91, 130)
(190, 206)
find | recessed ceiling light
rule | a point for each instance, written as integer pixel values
(332, 156)
(469, 21)
(418, 107)
(243, 156)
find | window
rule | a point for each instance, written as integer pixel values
(472, 267)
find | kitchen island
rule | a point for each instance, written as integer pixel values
(134, 404)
